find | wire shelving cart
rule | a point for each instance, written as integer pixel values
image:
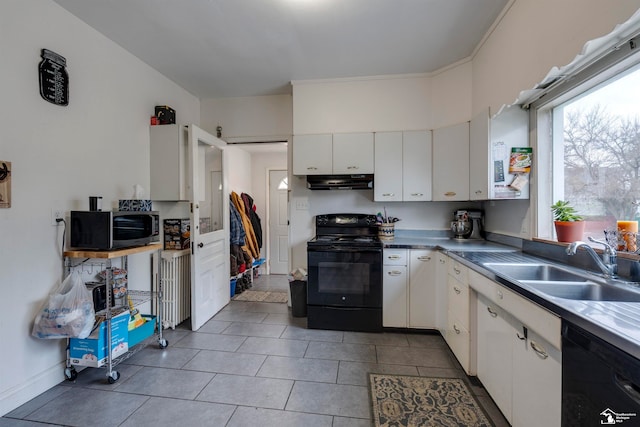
(137, 297)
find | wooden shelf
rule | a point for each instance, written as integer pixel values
(80, 253)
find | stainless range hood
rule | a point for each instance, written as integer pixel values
(340, 182)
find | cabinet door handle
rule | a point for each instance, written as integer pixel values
(456, 290)
(424, 258)
(388, 194)
(394, 273)
(450, 193)
(353, 167)
(525, 333)
(417, 194)
(393, 257)
(455, 328)
(311, 168)
(492, 313)
(499, 293)
(456, 270)
(442, 261)
(540, 350)
(478, 191)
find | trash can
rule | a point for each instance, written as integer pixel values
(298, 290)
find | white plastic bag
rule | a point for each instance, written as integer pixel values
(68, 313)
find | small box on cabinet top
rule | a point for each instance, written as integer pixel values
(177, 233)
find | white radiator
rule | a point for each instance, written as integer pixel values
(175, 271)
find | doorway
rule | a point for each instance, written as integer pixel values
(278, 240)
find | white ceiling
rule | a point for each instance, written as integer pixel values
(229, 48)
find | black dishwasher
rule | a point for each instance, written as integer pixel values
(600, 383)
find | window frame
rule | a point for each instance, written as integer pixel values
(543, 125)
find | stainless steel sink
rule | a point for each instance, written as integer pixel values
(559, 282)
(546, 272)
(584, 291)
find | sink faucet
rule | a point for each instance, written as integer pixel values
(609, 262)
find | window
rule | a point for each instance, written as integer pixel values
(284, 184)
(589, 133)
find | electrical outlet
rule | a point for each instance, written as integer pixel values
(56, 213)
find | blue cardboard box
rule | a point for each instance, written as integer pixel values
(92, 351)
(143, 331)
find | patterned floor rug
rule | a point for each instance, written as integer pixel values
(261, 296)
(419, 401)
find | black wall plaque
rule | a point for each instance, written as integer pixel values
(54, 80)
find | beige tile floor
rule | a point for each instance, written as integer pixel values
(252, 364)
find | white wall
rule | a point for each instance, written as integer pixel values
(368, 104)
(257, 116)
(98, 145)
(533, 37)
(239, 170)
(451, 96)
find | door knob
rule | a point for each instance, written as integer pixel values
(200, 245)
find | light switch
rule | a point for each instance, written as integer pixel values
(302, 204)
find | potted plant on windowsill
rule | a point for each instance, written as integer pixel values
(569, 224)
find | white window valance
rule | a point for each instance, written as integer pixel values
(592, 51)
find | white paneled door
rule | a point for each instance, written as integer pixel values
(209, 226)
(278, 222)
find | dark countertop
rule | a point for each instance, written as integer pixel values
(615, 322)
(445, 243)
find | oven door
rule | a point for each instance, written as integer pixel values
(343, 277)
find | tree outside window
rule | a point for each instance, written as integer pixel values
(601, 140)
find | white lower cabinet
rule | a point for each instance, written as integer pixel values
(460, 331)
(394, 296)
(440, 275)
(422, 289)
(520, 369)
(409, 291)
(394, 288)
(494, 357)
(537, 378)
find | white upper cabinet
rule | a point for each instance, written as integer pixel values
(387, 185)
(326, 154)
(169, 165)
(402, 166)
(451, 163)
(313, 154)
(416, 166)
(491, 141)
(479, 157)
(352, 153)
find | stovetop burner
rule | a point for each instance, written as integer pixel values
(352, 230)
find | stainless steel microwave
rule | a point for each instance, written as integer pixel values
(105, 230)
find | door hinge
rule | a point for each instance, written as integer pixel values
(191, 207)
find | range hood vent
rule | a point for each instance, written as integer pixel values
(340, 182)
